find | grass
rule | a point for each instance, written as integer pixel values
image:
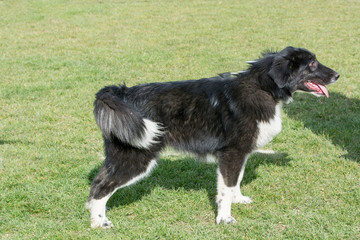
(55, 55)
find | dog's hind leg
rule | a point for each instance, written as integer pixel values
(230, 173)
(123, 166)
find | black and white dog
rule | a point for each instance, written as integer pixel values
(226, 117)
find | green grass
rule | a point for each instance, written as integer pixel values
(55, 55)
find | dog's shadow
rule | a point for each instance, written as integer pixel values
(177, 172)
(337, 118)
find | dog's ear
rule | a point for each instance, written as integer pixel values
(280, 71)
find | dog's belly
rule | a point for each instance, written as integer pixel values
(200, 146)
(267, 130)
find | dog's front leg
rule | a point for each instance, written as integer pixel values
(224, 199)
(230, 173)
(237, 196)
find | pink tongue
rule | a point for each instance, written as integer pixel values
(318, 88)
(324, 90)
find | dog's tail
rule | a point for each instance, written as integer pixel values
(118, 118)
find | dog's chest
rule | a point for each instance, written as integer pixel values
(267, 130)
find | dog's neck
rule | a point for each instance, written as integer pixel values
(267, 84)
(261, 71)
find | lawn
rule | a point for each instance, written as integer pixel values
(54, 57)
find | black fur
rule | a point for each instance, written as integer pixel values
(217, 115)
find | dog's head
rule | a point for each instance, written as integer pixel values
(297, 69)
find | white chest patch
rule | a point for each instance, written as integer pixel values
(268, 130)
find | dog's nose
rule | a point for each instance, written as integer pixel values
(337, 76)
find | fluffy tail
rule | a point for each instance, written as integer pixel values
(117, 118)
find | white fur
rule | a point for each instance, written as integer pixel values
(97, 207)
(151, 131)
(104, 125)
(224, 199)
(268, 130)
(265, 151)
(289, 100)
(251, 61)
(209, 158)
(312, 93)
(214, 102)
(316, 94)
(150, 167)
(237, 73)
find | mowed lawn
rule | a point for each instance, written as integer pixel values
(54, 57)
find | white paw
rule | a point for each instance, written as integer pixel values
(242, 199)
(107, 224)
(102, 222)
(225, 220)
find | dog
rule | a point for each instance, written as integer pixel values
(226, 117)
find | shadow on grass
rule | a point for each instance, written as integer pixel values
(189, 174)
(5, 142)
(337, 118)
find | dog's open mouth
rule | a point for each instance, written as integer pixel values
(317, 88)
